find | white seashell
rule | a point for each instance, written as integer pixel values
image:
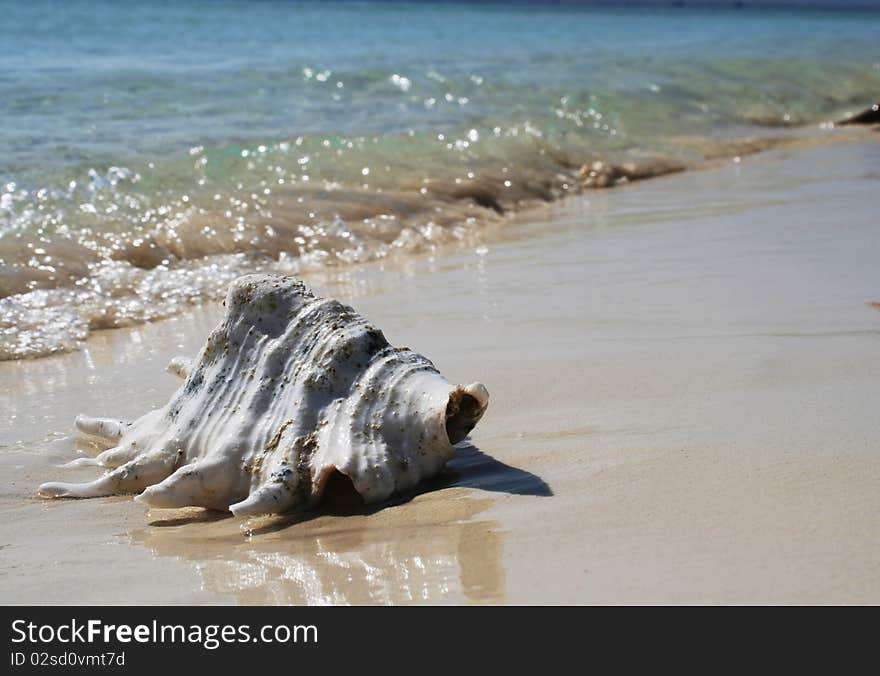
(287, 391)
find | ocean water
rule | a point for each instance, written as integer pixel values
(153, 151)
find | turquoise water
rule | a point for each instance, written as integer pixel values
(153, 151)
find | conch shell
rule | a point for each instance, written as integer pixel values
(288, 391)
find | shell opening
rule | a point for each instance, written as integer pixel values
(340, 493)
(335, 489)
(464, 410)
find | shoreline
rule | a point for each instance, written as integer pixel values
(649, 439)
(147, 280)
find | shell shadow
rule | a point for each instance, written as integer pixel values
(192, 516)
(470, 468)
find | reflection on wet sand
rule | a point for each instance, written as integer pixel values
(426, 548)
(429, 550)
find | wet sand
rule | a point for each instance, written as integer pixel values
(684, 382)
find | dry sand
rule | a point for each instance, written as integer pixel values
(685, 386)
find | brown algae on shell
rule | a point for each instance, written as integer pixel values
(287, 392)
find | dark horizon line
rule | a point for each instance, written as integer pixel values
(721, 4)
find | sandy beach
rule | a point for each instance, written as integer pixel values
(684, 383)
